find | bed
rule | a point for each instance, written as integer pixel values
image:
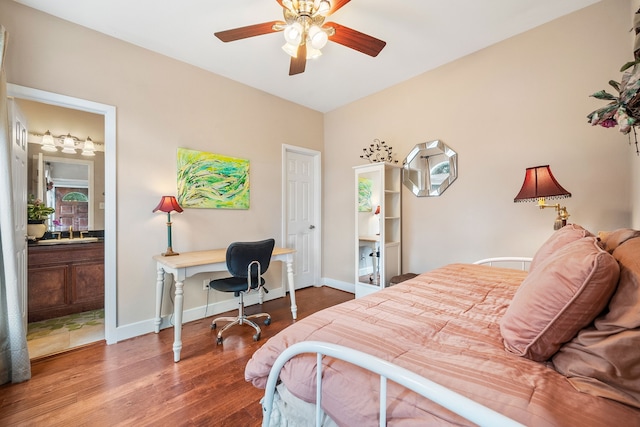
(554, 346)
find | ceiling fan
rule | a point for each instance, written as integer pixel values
(306, 32)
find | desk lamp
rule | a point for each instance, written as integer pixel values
(539, 183)
(168, 204)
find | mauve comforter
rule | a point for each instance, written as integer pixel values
(442, 325)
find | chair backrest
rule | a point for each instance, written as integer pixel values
(241, 254)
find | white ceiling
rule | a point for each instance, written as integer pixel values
(420, 35)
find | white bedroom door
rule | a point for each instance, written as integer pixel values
(301, 226)
(19, 175)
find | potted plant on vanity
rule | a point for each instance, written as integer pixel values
(37, 214)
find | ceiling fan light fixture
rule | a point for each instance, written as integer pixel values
(288, 4)
(323, 7)
(317, 37)
(291, 50)
(313, 53)
(293, 33)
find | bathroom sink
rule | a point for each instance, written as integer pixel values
(67, 241)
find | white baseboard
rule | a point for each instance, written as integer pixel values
(147, 326)
(338, 284)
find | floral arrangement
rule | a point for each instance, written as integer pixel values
(379, 151)
(36, 210)
(624, 109)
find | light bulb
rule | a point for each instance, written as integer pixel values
(288, 4)
(291, 50)
(293, 33)
(88, 149)
(318, 37)
(323, 8)
(313, 53)
(48, 144)
(69, 145)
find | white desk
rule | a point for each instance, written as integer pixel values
(189, 263)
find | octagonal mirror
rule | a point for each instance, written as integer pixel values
(430, 168)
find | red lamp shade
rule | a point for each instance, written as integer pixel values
(168, 204)
(539, 182)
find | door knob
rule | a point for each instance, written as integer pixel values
(311, 227)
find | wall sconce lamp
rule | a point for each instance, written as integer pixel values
(539, 184)
(68, 144)
(168, 204)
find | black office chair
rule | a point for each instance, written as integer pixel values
(247, 262)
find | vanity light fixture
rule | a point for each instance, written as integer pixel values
(88, 149)
(68, 144)
(540, 184)
(168, 204)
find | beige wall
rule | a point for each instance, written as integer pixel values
(162, 104)
(520, 103)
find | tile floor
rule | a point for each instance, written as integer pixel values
(60, 334)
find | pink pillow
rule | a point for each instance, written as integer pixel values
(612, 239)
(567, 234)
(602, 359)
(561, 296)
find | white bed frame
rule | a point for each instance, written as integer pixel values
(461, 405)
(525, 262)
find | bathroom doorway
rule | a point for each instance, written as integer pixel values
(104, 199)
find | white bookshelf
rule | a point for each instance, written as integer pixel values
(378, 236)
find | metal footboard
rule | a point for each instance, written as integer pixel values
(507, 260)
(463, 406)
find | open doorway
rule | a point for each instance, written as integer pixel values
(65, 284)
(107, 204)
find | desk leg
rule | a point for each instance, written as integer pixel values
(177, 328)
(292, 289)
(159, 292)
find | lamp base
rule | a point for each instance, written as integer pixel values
(170, 252)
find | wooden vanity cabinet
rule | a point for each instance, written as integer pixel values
(65, 279)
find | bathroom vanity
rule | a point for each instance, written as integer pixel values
(65, 278)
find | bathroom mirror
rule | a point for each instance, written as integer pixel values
(430, 168)
(67, 185)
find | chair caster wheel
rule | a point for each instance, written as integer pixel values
(213, 326)
(219, 340)
(256, 337)
(267, 321)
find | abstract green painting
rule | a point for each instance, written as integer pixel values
(364, 194)
(207, 180)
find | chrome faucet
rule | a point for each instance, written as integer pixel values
(71, 232)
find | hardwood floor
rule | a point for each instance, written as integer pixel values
(135, 382)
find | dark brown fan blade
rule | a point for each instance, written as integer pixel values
(299, 63)
(337, 4)
(356, 40)
(245, 32)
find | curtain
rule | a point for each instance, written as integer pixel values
(14, 357)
